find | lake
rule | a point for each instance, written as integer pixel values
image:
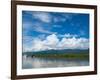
(36, 62)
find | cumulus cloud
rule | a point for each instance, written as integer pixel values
(74, 43)
(53, 42)
(68, 35)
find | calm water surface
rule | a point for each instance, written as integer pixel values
(29, 62)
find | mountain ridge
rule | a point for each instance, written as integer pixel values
(64, 51)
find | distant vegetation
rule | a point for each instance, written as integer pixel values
(67, 53)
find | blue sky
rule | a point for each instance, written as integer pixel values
(54, 27)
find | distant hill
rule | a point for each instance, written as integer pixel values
(52, 51)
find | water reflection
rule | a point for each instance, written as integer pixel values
(29, 62)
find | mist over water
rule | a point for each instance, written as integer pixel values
(36, 62)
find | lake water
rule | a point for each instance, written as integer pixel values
(29, 63)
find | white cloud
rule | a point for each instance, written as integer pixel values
(68, 16)
(68, 35)
(57, 26)
(42, 30)
(43, 16)
(39, 28)
(53, 42)
(65, 17)
(57, 19)
(74, 43)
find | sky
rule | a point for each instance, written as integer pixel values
(54, 30)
